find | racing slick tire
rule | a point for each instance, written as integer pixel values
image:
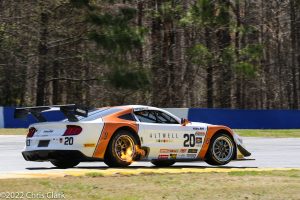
(63, 164)
(121, 149)
(221, 150)
(163, 163)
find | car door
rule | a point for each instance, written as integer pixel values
(165, 136)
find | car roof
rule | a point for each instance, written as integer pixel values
(142, 107)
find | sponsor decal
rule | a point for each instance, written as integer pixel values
(182, 150)
(164, 140)
(105, 136)
(163, 135)
(199, 133)
(168, 151)
(198, 128)
(207, 140)
(83, 112)
(191, 155)
(173, 156)
(163, 156)
(192, 150)
(198, 140)
(164, 151)
(89, 145)
(139, 109)
(181, 156)
(48, 131)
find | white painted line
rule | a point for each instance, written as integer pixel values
(1, 117)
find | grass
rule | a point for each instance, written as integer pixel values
(13, 131)
(278, 133)
(290, 173)
(292, 133)
(237, 185)
(94, 174)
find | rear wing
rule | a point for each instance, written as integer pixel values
(70, 111)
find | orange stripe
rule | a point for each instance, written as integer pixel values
(112, 123)
(102, 132)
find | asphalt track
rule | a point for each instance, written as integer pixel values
(269, 153)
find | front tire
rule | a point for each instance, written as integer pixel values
(121, 150)
(163, 163)
(221, 150)
(63, 164)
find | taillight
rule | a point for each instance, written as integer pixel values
(73, 130)
(31, 132)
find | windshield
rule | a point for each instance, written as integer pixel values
(96, 114)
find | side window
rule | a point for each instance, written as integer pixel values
(146, 116)
(151, 116)
(165, 118)
(128, 116)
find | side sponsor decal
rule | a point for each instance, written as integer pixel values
(199, 133)
(192, 150)
(164, 140)
(173, 156)
(164, 151)
(182, 150)
(198, 128)
(186, 156)
(163, 135)
(168, 150)
(163, 156)
(198, 140)
(191, 155)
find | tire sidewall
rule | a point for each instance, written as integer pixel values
(163, 163)
(63, 164)
(211, 158)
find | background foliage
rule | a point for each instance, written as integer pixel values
(166, 53)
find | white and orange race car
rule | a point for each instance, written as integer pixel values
(123, 134)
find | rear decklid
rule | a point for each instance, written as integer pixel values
(50, 129)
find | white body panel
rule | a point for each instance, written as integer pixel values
(172, 141)
(53, 131)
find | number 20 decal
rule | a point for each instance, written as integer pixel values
(189, 141)
(69, 141)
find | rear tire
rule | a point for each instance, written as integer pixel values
(63, 164)
(121, 150)
(163, 163)
(221, 150)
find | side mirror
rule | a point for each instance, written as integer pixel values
(184, 121)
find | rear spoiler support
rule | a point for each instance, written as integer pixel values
(70, 111)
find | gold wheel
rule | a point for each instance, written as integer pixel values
(124, 148)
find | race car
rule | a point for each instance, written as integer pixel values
(122, 134)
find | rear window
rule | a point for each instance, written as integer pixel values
(96, 114)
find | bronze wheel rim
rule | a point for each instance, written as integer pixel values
(124, 148)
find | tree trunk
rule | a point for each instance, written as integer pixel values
(42, 59)
(224, 41)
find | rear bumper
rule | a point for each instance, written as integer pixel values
(46, 155)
